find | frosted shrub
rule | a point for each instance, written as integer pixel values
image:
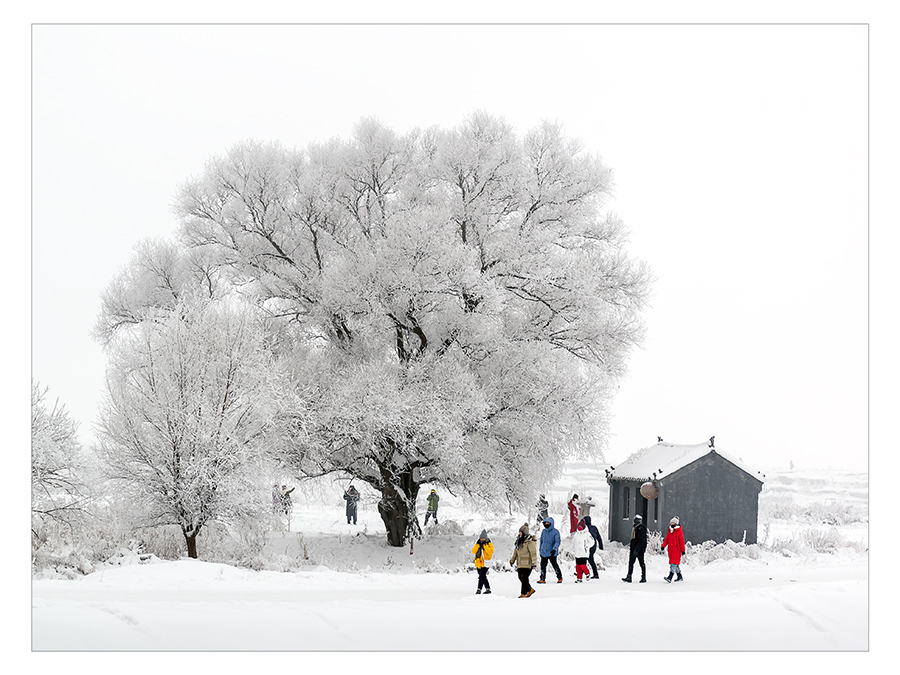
(830, 512)
(430, 567)
(710, 551)
(445, 527)
(808, 540)
(654, 542)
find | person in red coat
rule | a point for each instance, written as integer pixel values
(574, 516)
(675, 542)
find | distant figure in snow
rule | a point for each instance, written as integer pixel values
(549, 550)
(584, 507)
(483, 550)
(277, 506)
(281, 499)
(574, 516)
(581, 547)
(675, 542)
(524, 557)
(597, 543)
(543, 508)
(433, 500)
(637, 547)
(351, 496)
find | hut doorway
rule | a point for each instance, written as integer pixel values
(642, 507)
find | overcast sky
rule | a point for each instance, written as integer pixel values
(740, 158)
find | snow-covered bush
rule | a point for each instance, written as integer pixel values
(710, 551)
(445, 527)
(830, 512)
(817, 540)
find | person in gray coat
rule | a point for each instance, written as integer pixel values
(351, 496)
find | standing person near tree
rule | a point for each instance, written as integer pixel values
(483, 550)
(597, 544)
(286, 504)
(581, 547)
(351, 496)
(543, 508)
(675, 542)
(574, 516)
(433, 500)
(584, 507)
(637, 546)
(524, 557)
(277, 506)
(549, 550)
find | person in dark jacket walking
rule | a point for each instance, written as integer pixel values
(351, 495)
(549, 549)
(598, 544)
(637, 545)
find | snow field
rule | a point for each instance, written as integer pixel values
(328, 586)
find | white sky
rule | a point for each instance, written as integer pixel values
(740, 155)
(741, 162)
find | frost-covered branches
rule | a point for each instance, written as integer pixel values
(182, 426)
(455, 305)
(57, 466)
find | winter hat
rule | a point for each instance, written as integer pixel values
(674, 521)
(524, 529)
(483, 535)
(638, 518)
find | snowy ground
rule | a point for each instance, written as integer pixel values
(346, 590)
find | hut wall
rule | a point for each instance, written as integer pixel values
(714, 500)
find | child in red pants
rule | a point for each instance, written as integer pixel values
(581, 548)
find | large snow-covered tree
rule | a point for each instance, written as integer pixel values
(189, 399)
(456, 305)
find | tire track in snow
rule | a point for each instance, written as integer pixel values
(803, 615)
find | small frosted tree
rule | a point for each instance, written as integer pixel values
(58, 488)
(189, 398)
(457, 305)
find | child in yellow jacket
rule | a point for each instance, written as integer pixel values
(483, 550)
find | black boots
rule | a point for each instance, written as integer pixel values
(669, 578)
(628, 579)
(679, 577)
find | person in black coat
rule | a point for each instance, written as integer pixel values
(637, 547)
(543, 508)
(598, 544)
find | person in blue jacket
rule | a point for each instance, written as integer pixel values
(597, 544)
(549, 550)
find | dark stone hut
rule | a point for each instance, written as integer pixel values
(715, 496)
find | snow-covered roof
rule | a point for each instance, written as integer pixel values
(664, 459)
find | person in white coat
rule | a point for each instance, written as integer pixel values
(580, 545)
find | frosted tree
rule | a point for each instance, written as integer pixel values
(57, 467)
(189, 398)
(159, 275)
(456, 305)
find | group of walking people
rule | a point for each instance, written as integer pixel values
(584, 543)
(637, 546)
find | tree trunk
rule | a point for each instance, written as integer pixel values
(191, 541)
(397, 507)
